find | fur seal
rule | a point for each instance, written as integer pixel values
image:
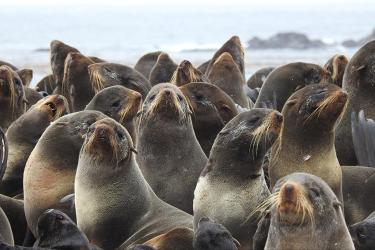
(145, 64)
(234, 48)
(166, 141)
(119, 198)
(12, 97)
(32, 96)
(76, 84)
(203, 67)
(9, 65)
(212, 109)
(213, 236)
(22, 136)
(58, 53)
(358, 82)
(310, 115)
(47, 84)
(363, 233)
(225, 74)
(121, 104)
(175, 239)
(257, 79)
(359, 200)
(26, 76)
(50, 170)
(336, 67)
(232, 184)
(110, 74)
(306, 214)
(283, 81)
(186, 73)
(163, 69)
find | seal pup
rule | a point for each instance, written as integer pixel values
(186, 73)
(306, 142)
(234, 48)
(358, 82)
(359, 200)
(121, 104)
(232, 184)
(46, 84)
(306, 214)
(336, 67)
(163, 69)
(50, 169)
(145, 64)
(225, 74)
(58, 53)
(166, 142)
(212, 109)
(257, 79)
(213, 236)
(119, 198)
(76, 84)
(12, 97)
(104, 75)
(363, 233)
(283, 81)
(22, 136)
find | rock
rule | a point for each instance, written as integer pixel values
(352, 43)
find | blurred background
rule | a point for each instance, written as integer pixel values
(273, 32)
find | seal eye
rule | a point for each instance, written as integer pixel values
(120, 135)
(116, 104)
(360, 234)
(180, 98)
(198, 97)
(314, 192)
(252, 120)
(59, 217)
(152, 97)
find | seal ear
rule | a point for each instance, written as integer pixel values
(359, 68)
(291, 102)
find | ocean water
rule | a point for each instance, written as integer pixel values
(123, 33)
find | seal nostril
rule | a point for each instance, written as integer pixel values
(289, 188)
(167, 92)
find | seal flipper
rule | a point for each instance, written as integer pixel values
(3, 153)
(363, 133)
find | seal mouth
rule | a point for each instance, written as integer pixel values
(130, 111)
(167, 104)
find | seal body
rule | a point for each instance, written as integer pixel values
(50, 169)
(108, 178)
(32, 96)
(212, 109)
(283, 81)
(306, 142)
(359, 83)
(24, 134)
(259, 77)
(306, 214)
(166, 141)
(145, 64)
(232, 185)
(46, 84)
(163, 69)
(363, 233)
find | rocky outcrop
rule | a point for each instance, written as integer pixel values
(353, 43)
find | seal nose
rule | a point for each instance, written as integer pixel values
(288, 192)
(167, 92)
(102, 131)
(278, 117)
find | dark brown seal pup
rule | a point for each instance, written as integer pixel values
(175, 239)
(234, 48)
(232, 184)
(50, 169)
(110, 74)
(358, 82)
(212, 109)
(336, 67)
(186, 73)
(306, 214)
(225, 74)
(6, 234)
(47, 84)
(166, 141)
(76, 84)
(213, 236)
(145, 64)
(12, 97)
(121, 104)
(363, 233)
(112, 194)
(283, 81)
(163, 69)
(306, 142)
(23, 134)
(257, 79)
(359, 199)
(58, 53)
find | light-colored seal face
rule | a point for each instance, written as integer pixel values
(52, 107)
(213, 236)
(57, 231)
(186, 73)
(363, 233)
(104, 75)
(12, 96)
(306, 214)
(165, 102)
(336, 67)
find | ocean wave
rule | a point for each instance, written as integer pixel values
(190, 47)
